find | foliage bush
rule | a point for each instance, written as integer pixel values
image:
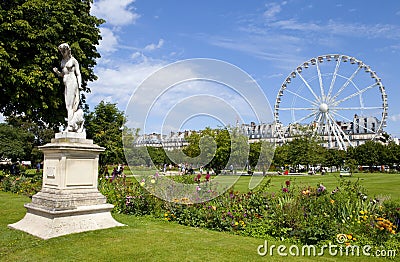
(307, 215)
(22, 184)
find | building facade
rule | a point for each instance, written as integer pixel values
(354, 133)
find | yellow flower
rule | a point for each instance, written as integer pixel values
(236, 223)
(141, 183)
(214, 208)
(152, 181)
(166, 214)
(332, 201)
(349, 236)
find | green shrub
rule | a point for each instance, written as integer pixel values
(300, 214)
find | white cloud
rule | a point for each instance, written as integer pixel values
(115, 12)
(117, 84)
(179, 103)
(109, 40)
(153, 46)
(395, 118)
(272, 10)
(278, 48)
(190, 88)
(386, 31)
(282, 41)
(136, 55)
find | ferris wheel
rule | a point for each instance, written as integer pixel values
(337, 96)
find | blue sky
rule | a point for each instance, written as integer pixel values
(266, 39)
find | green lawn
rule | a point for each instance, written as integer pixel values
(376, 184)
(143, 239)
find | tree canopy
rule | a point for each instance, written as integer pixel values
(15, 143)
(30, 31)
(104, 125)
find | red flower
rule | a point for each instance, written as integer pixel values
(208, 177)
(197, 178)
(287, 183)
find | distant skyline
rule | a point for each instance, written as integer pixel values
(268, 40)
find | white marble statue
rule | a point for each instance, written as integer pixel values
(72, 81)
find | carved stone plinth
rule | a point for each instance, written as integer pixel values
(69, 201)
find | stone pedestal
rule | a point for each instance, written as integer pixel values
(69, 201)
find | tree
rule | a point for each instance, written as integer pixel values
(369, 154)
(201, 149)
(334, 157)
(15, 143)
(305, 150)
(41, 135)
(105, 126)
(393, 154)
(30, 31)
(281, 156)
(158, 156)
(134, 155)
(261, 155)
(240, 148)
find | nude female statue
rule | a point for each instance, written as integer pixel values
(72, 79)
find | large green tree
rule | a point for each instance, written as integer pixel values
(370, 153)
(15, 143)
(30, 31)
(41, 135)
(104, 125)
(218, 148)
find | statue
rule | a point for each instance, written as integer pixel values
(72, 81)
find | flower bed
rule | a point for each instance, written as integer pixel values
(308, 215)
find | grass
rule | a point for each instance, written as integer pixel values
(376, 184)
(380, 185)
(143, 239)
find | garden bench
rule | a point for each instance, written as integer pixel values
(342, 174)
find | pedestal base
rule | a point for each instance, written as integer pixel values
(47, 224)
(69, 201)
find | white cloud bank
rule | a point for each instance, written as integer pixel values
(395, 118)
(115, 12)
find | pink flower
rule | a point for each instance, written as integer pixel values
(285, 190)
